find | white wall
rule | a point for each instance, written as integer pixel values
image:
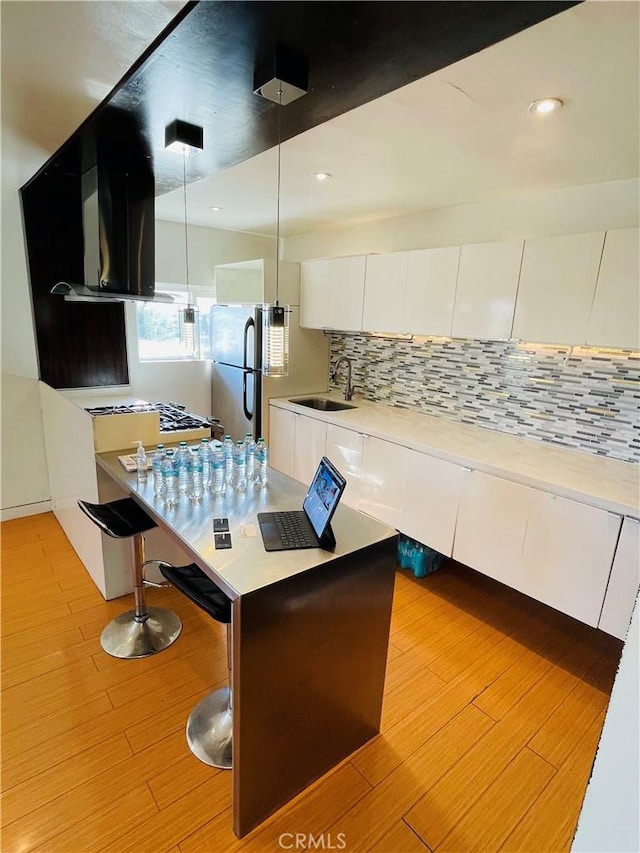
(24, 486)
(594, 207)
(207, 248)
(610, 817)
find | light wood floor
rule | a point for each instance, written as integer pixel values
(493, 709)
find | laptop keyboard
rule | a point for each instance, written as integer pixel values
(294, 530)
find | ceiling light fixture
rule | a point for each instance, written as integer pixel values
(216, 208)
(282, 80)
(544, 106)
(321, 176)
(183, 138)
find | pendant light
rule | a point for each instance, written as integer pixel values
(282, 81)
(186, 139)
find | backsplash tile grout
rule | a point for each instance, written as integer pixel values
(580, 398)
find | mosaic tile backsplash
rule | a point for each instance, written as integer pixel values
(579, 398)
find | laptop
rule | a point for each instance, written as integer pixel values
(309, 527)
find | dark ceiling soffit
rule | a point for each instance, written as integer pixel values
(201, 69)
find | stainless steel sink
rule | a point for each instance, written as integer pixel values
(323, 405)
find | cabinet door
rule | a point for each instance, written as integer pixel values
(486, 290)
(309, 447)
(432, 490)
(383, 467)
(344, 449)
(624, 581)
(492, 519)
(567, 555)
(282, 431)
(431, 290)
(347, 293)
(315, 294)
(557, 287)
(384, 288)
(615, 316)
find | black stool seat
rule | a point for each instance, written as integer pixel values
(193, 582)
(145, 630)
(120, 518)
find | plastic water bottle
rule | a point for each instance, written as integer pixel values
(262, 459)
(218, 466)
(240, 466)
(195, 474)
(250, 444)
(183, 466)
(227, 444)
(170, 467)
(206, 466)
(141, 462)
(157, 461)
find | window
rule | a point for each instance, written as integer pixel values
(163, 333)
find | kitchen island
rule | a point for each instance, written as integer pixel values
(310, 632)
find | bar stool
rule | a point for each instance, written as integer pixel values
(143, 631)
(209, 727)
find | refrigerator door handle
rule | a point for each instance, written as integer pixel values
(248, 325)
(248, 415)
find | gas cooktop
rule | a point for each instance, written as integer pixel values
(173, 416)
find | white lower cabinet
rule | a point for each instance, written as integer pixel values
(282, 431)
(344, 449)
(624, 581)
(309, 447)
(381, 483)
(556, 550)
(492, 520)
(430, 503)
(567, 555)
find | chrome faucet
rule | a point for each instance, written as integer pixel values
(349, 388)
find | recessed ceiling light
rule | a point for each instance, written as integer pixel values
(544, 106)
(321, 176)
(216, 208)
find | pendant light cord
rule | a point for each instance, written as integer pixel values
(278, 196)
(186, 229)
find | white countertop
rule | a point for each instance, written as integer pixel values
(606, 483)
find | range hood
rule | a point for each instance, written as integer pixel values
(118, 221)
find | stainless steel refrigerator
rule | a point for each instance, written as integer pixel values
(239, 392)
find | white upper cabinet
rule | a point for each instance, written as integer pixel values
(557, 287)
(615, 316)
(431, 291)
(486, 290)
(332, 293)
(384, 292)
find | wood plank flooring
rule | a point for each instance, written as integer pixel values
(492, 714)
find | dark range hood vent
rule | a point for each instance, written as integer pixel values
(118, 212)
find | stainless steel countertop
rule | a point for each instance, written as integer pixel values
(245, 567)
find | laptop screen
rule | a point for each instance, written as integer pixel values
(323, 495)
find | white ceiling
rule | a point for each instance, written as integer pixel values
(461, 135)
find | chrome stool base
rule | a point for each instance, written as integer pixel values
(209, 729)
(128, 637)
